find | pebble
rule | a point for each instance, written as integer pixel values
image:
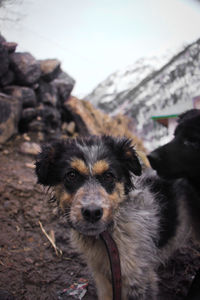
(30, 148)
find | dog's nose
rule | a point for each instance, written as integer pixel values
(92, 213)
(154, 159)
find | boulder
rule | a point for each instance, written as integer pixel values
(28, 114)
(25, 94)
(36, 126)
(10, 111)
(47, 93)
(50, 69)
(10, 46)
(50, 116)
(26, 68)
(7, 78)
(64, 85)
(47, 122)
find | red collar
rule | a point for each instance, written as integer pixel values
(113, 254)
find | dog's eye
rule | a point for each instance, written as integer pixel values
(108, 177)
(71, 176)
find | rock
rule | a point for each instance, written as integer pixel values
(10, 46)
(4, 60)
(47, 93)
(48, 121)
(69, 127)
(25, 94)
(30, 148)
(26, 137)
(64, 85)
(7, 78)
(50, 116)
(36, 126)
(30, 165)
(26, 67)
(10, 111)
(29, 114)
(50, 69)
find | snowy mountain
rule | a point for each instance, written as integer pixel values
(152, 88)
(105, 94)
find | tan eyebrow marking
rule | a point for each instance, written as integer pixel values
(80, 166)
(100, 167)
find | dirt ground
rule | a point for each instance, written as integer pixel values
(29, 266)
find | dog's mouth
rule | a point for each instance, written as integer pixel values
(90, 229)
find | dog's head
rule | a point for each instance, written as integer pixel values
(90, 177)
(180, 157)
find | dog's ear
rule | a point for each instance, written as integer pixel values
(125, 153)
(129, 157)
(49, 165)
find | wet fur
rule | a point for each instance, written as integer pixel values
(146, 216)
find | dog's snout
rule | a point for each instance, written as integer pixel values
(154, 159)
(92, 213)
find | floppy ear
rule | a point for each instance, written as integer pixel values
(49, 165)
(126, 154)
(129, 157)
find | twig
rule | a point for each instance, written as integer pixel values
(51, 240)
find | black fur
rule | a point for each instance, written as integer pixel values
(53, 162)
(180, 158)
(166, 195)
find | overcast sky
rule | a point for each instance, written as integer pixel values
(93, 38)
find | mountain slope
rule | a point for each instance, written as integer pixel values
(172, 87)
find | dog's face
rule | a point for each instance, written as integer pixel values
(90, 177)
(180, 157)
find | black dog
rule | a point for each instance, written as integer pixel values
(180, 158)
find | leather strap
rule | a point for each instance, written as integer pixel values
(113, 254)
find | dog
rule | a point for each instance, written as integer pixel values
(98, 184)
(180, 158)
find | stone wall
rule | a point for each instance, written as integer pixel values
(32, 93)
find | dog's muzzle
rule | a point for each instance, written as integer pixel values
(92, 213)
(154, 159)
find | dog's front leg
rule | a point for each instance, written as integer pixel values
(104, 287)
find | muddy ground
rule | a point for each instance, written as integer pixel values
(29, 266)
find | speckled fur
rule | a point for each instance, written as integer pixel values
(135, 230)
(133, 216)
